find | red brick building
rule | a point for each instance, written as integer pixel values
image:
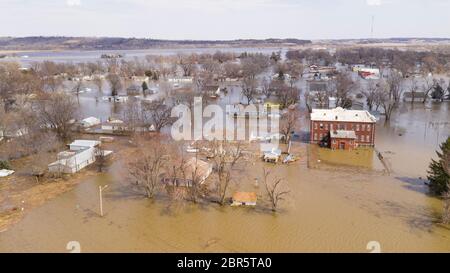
(342, 129)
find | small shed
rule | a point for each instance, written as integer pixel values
(4, 172)
(90, 121)
(244, 199)
(272, 156)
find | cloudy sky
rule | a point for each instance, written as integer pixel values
(226, 19)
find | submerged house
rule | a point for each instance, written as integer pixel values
(244, 199)
(213, 91)
(193, 168)
(114, 125)
(81, 154)
(342, 129)
(414, 97)
(369, 73)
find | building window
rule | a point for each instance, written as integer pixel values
(315, 125)
(320, 137)
(368, 127)
(363, 127)
(315, 136)
(368, 138)
(357, 127)
(331, 127)
(326, 126)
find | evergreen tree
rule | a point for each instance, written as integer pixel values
(438, 92)
(144, 86)
(437, 174)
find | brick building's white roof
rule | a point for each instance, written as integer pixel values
(340, 114)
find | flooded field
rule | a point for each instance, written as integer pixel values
(338, 210)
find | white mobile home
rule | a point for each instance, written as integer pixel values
(72, 161)
(82, 153)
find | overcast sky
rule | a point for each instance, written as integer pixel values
(226, 19)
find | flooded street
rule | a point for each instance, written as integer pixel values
(326, 211)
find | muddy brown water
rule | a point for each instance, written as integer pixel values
(327, 210)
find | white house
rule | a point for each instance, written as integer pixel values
(119, 98)
(181, 80)
(72, 161)
(113, 126)
(82, 153)
(90, 121)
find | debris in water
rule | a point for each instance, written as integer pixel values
(211, 242)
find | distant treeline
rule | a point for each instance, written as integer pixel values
(406, 61)
(86, 43)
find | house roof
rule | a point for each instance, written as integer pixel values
(85, 143)
(91, 120)
(343, 134)
(201, 168)
(245, 197)
(340, 114)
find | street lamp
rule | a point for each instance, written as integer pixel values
(100, 190)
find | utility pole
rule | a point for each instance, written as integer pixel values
(371, 30)
(100, 190)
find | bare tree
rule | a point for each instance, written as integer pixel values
(386, 100)
(289, 123)
(413, 87)
(157, 113)
(286, 95)
(254, 64)
(395, 86)
(98, 83)
(225, 157)
(115, 83)
(132, 115)
(344, 85)
(370, 92)
(187, 64)
(147, 166)
(249, 89)
(428, 86)
(52, 83)
(232, 70)
(273, 190)
(14, 82)
(308, 101)
(77, 87)
(57, 111)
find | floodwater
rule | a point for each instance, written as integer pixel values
(326, 211)
(340, 205)
(78, 56)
